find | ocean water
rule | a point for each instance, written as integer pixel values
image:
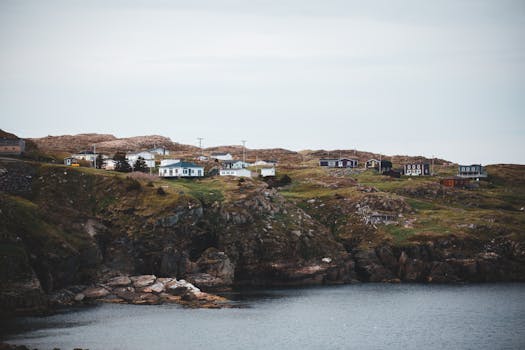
(364, 316)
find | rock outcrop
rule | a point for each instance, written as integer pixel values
(145, 290)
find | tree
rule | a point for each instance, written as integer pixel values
(99, 161)
(121, 163)
(140, 165)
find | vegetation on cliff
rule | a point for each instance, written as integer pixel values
(64, 227)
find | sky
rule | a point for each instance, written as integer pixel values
(435, 78)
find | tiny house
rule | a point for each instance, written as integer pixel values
(417, 169)
(266, 172)
(455, 182)
(339, 163)
(235, 172)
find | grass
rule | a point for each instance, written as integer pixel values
(399, 235)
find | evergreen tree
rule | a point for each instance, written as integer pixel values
(140, 165)
(99, 161)
(121, 163)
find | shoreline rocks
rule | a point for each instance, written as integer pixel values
(149, 290)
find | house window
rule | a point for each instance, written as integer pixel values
(185, 171)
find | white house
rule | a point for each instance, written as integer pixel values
(235, 172)
(161, 151)
(221, 156)
(90, 156)
(181, 169)
(234, 164)
(149, 158)
(267, 172)
(202, 158)
(165, 162)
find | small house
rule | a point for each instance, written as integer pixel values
(386, 165)
(90, 156)
(234, 164)
(417, 169)
(221, 156)
(372, 164)
(235, 172)
(149, 158)
(339, 163)
(266, 172)
(12, 146)
(455, 182)
(474, 171)
(181, 169)
(202, 158)
(69, 161)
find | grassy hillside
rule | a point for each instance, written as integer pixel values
(492, 209)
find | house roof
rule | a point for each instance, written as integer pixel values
(181, 165)
(220, 154)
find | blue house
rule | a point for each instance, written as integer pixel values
(472, 171)
(181, 169)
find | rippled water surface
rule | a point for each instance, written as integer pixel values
(367, 316)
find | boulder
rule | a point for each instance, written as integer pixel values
(119, 281)
(79, 297)
(154, 288)
(180, 287)
(143, 280)
(95, 292)
(146, 299)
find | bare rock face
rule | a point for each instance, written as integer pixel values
(370, 268)
(143, 280)
(217, 269)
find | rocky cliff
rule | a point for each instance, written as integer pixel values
(66, 229)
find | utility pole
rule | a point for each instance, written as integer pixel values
(243, 151)
(200, 143)
(95, 156)
(379, 168)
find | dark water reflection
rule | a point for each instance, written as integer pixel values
(367, 316)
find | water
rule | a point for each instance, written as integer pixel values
(367, 316)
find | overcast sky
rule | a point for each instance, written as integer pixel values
(443, 78)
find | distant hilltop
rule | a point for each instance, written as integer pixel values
(107, 143)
